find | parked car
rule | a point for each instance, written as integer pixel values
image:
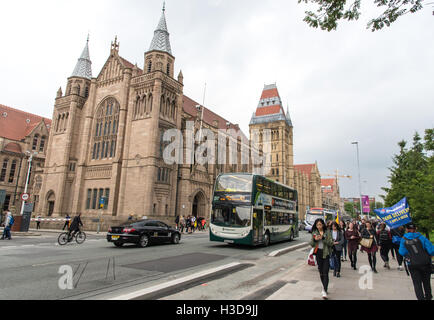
(143, 233)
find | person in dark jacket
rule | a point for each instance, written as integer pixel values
(338, 242)
(353, 237)
(420, 272)
(322, 242)
(342, 226)
(369, 233)
(75, 226)
(68, 219)
(385, 244)
(397, 235)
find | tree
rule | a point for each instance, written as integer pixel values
(412, 176)
(330, 12)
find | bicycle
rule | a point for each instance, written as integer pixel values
(65, 238)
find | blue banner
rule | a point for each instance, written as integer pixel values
(396, 216)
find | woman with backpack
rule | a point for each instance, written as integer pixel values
(9, 222)
(419, 251)
(322, 242)
(385, 244)
(369, 244)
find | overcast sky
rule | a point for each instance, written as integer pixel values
(343, 86)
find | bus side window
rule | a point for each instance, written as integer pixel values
(267, 218)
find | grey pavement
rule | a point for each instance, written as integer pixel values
(304, 283)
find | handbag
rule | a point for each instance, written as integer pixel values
(332, 263)
(367, 243)
(311, 259)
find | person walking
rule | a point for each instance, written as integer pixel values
(38, 222)
(397, 235)
(193, 223)
(342, 227)
(338, 242)
(182, 223)
(9, 222)
(385, 244)
(353, 236)
(322, 242)
(370, 244)
(188, 224)
(177, 222)
(418, 250)
(67, 221)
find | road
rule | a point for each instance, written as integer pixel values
(29, 268)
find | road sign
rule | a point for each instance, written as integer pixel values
(25, 196)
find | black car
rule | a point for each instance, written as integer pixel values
(143, 233)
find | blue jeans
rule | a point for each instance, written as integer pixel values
(7, 233)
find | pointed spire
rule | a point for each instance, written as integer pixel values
(83, 68)
(161, 41)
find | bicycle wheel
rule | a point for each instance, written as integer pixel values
(80, 237)
(63, 239)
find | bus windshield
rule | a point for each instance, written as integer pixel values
(311, 217)
(231, 216)
(234, 183)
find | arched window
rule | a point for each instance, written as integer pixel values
(107, 116)
(168, 69)
(86, 92)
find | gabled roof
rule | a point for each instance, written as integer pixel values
(328, 183)
(83, 68)
(189, 107)
(270, 108)
(16, 124)
(305, 168)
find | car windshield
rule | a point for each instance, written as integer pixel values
(234, 183)
(310, 218)
(231, 216)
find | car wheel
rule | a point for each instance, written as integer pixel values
(266, 239)
(175, 239)
(118, 244)
(144, 241)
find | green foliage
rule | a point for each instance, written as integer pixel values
(412, 176)
(329, 12)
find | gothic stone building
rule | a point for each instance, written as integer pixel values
(106, 141)
(21, 133)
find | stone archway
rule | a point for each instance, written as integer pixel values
(199, 205)
(51, 200)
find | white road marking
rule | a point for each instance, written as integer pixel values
(165, 285)
(287, 249)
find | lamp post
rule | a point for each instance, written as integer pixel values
(28, 176)
(360, 184)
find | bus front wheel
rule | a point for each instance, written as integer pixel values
(266, 239)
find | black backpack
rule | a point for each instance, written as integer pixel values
(384, 237)
(417, 253)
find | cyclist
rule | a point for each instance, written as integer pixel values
(75, 227)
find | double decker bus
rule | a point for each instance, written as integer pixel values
(252, 210)
(318, 213)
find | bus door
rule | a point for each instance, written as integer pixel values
(258, 226)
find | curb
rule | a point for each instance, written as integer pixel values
(277, 253)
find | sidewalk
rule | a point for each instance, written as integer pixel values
(304, 283)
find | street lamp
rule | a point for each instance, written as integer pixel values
(28, 176)
(360, 184)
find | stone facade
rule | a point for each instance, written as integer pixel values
(107, 142)
(21, 133)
